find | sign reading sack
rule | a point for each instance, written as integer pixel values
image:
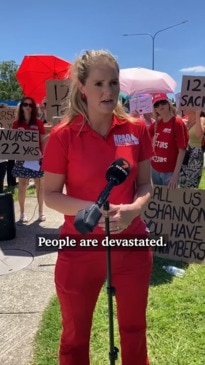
(192, 93)
(7, 117)
(57, 92)
(19, 145)
(179, 216)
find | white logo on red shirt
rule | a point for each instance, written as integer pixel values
(125, 139)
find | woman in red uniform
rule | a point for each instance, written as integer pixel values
(96, 132)
(170, 140)
(27, 119)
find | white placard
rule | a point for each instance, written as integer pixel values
(133, 104)
(177, 98)
(141, 103)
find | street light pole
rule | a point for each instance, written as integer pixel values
(153, 36)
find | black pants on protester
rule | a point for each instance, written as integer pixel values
(11, 180)
(3, 166)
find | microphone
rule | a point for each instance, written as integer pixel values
(86, 219)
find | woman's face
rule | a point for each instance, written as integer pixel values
(27, 106)
(161, 107)
(102, 88)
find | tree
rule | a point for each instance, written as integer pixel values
(9, 86)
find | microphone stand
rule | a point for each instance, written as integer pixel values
(113, 353)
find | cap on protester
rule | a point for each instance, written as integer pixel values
(159, 97)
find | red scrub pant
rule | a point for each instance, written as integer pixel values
(79, 277)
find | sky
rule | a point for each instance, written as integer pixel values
(67, 28)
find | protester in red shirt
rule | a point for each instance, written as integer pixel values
(170, 140)
(27, 120)
(96, 132)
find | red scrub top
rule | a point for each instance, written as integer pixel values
(83, 156)
(168, 138)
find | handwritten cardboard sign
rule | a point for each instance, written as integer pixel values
(20, 145)
(7, 117)
(56, 120)
(57, 92)
(192, 93)
(178, 215)
(141, 103)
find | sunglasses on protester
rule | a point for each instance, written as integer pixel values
(161, 102)
(27, 104)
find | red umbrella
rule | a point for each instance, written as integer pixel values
(36, 69)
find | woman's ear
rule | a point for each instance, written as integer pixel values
(81, 88)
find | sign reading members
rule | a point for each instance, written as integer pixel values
(178, 215)
(7, 117)
(57, 93)
(192, 93)
(20, 145)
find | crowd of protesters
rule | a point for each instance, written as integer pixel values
(165, 149)
(177, 137)
(178, 142)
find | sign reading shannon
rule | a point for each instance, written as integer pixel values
(178, 215)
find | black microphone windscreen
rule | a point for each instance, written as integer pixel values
(118, 171)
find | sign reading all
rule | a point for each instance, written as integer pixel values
(178, 215)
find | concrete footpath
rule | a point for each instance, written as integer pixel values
(26, 284)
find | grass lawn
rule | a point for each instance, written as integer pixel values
(202, 182)
(31, 191)
(175, 320)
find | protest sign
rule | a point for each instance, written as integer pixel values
(192, 93)
(144, 104)
(133, 104)
(57, 92)
(179, 216)
(20, 145)
(7, 117)
(141, 103)
(56, 120)
(177, 98)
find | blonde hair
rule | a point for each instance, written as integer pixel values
(79, 72)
